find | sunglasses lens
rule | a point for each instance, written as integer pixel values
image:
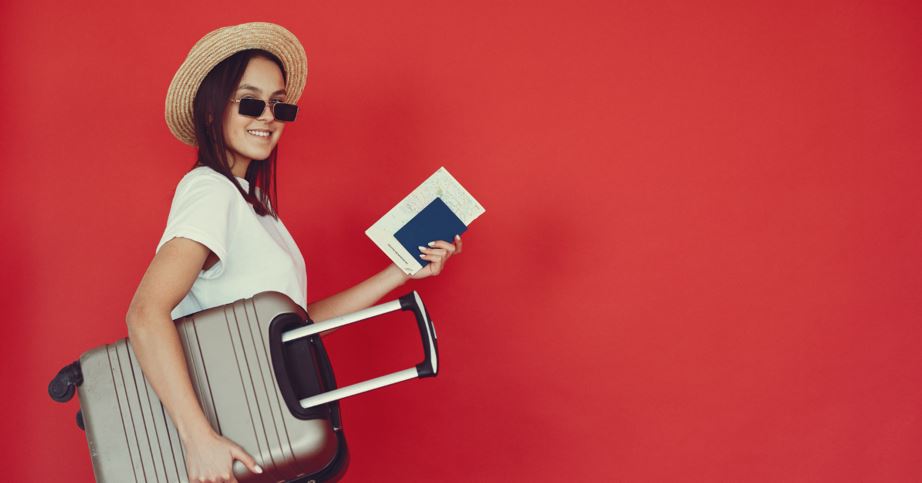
(285, 112)
(252, 107)
(256, 107)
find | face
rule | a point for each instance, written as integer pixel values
(248, 138)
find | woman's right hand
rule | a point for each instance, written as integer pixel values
(153, 336)
(210, 458)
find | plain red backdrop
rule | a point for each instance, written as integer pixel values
(700, 259)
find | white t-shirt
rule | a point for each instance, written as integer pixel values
(256, 253)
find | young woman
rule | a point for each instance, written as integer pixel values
(224, 241)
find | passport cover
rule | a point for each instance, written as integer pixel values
(434, 222)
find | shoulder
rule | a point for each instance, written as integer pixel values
(205, 185)
(204, 176)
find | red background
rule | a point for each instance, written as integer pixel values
(699, 262)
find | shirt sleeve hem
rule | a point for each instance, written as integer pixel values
(199, 236)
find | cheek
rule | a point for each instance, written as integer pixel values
(229, 127)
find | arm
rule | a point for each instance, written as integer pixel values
(359, 296)
(156, 344)
(371, 290)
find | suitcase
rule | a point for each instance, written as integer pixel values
(263, 378)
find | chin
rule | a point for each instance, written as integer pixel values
(259, 155)
(259, 152)
(251, 150)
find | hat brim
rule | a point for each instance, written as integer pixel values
(218, 45)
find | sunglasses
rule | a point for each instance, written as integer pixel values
(255, 108)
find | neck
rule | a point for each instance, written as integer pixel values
(238, 166)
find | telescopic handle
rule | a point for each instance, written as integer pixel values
(427, 368)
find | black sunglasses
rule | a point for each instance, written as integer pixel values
(255, 107)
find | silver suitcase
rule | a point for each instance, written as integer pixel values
(263, 378)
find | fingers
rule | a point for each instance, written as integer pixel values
(438, 254)
(435, 264)
(437, 259)
(214, 479)
(238, 453)
(441, 249)
(225, 478)
(432, 254)
(444, 245)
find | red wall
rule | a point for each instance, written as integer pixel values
(699, 262)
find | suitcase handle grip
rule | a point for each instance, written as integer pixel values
(429, 367)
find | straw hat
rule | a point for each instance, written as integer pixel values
(218, 45)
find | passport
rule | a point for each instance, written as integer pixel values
(438, 209)
(435, 222)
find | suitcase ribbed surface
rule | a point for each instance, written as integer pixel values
(131, 438)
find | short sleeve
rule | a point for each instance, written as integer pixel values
(203, 210)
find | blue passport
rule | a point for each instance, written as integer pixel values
(435, 222)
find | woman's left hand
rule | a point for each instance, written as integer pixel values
(437, 255)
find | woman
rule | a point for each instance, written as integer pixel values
(223, 241)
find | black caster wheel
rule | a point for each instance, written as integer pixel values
(65, 383)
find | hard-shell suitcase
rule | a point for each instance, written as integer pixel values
(263, 378)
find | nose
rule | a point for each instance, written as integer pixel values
(267, 114)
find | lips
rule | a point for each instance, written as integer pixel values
(260, 133)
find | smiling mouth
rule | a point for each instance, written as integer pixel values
(260, 134)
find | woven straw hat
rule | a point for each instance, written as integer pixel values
(218, 45)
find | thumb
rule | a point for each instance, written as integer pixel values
(239, 454)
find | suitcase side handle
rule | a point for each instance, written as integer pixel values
(427, 368)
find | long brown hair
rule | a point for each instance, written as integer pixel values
(211, 101)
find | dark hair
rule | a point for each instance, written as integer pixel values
(208, 108)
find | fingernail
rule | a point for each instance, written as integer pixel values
(259, 469)
(432, 244)
(422, 256)
(457, 237)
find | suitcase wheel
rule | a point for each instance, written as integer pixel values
(80, 420)
(64, 384)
